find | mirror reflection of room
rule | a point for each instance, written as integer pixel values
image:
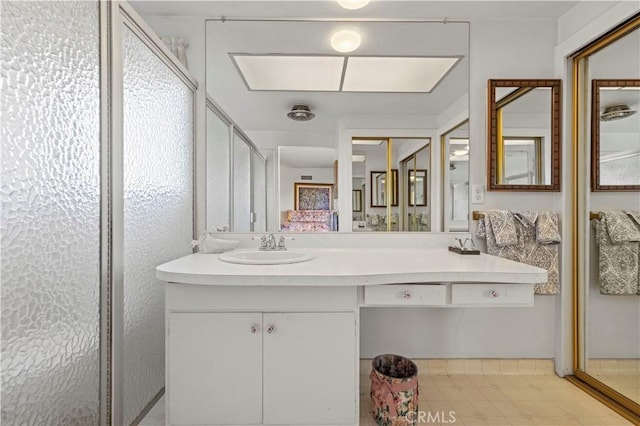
(294, 91)
(612, 302)
(402, 202)
(307, 189)
(616, 145)
(455, 178)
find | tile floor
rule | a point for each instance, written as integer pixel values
(506, 393)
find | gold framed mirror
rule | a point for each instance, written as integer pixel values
(524, 135)
(615, 146)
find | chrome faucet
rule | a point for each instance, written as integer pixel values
(268, 242)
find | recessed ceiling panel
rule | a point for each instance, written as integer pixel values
(290, 73)
(395, 74)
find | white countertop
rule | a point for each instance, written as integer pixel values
(353, 267)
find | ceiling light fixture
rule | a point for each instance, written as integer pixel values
(353, 4)
(345, 41)
(300, 113)
(616, 112)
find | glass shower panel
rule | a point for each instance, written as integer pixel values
(50, 231)
(241, 185)
(158, 209)
(218, 156)
(259, 184)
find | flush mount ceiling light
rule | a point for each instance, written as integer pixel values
(353, 4)
(395, 74)
(300, 113)
(616, 112)
(345, 41)
(290, 72)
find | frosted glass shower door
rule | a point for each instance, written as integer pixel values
(158, 208)
(50, 225)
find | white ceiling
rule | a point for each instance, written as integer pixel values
(414, 9)
(266, 111)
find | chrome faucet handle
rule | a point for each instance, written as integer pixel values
(281, 245)
(271, 241)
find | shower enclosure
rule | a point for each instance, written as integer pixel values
(97, 189)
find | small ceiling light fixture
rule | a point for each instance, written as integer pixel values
(300, 113)
(353, 4)
(345, 41)
(616, 112)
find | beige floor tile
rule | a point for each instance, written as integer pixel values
(521, 420)
(453, 394)
(507, 399)
(514, 394)
(474, 394)
(486, 409)
(528, 408)
(563, 420)
(493, 394)
(461, 381)
(551, 409)
(534, 394)
(498, 421)
(507, 408)
(472, 421)
(431, 393)
(435, 406)
(463, 408)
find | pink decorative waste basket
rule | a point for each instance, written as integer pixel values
(394, 390)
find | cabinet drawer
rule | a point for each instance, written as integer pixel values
(492, 294)
(407, 295)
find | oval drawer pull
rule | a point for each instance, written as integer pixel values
(253, 329)
(494, 294)
(406, 295)
(271, 329)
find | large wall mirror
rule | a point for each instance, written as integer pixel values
(615, 135)
(257, 70)
(524, 135)
(608, 300)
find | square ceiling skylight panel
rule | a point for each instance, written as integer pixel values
(395, 74)
(296, 73)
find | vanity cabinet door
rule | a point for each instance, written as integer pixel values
(309, 368)
(214, 373)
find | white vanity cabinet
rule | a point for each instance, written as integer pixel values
(228, 364)
(215, 368)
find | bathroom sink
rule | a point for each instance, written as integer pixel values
(265, 257)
